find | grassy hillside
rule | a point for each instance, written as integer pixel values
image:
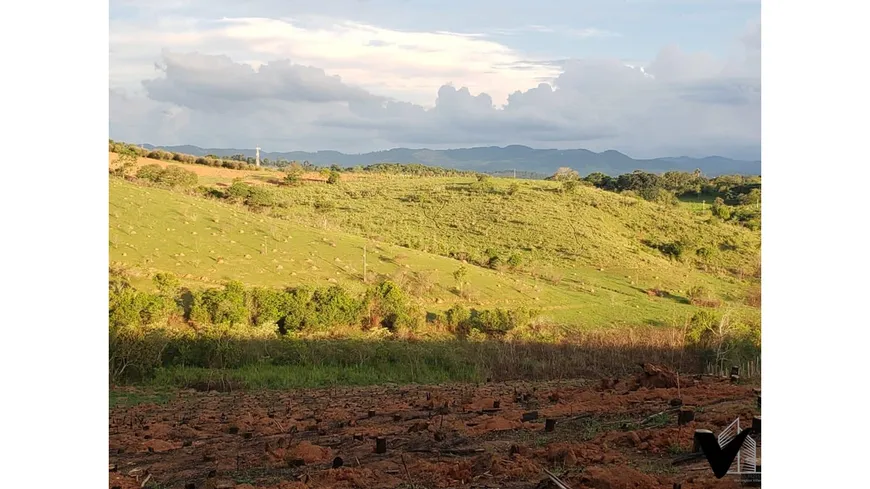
(587, 258)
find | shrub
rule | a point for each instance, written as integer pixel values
(298, 311)
(334, 177)
(664, 197)
(166, 283)
(569, 186)
(458, 320)
(513, 189)
(293, 176)
(150, 172)
(673, 249)
(515, 260)
(172, 175)
(259, 197)
(176, 176)
(386, 305)
(720, 210)
(221, 306)
(335, 307)
(702, 296)
(238, 191)
(498, 322)
(126, 162)
(267, 305)
(483, 184)
(129, 307)
(324, 205)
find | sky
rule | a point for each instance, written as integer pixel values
(649, 78)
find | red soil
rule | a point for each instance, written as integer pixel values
(439, 436)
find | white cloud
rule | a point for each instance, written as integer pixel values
(315, 83)
(386, 62)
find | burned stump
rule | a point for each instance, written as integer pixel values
(380, 445)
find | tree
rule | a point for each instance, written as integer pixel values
(721, 210)
(600, 180)
(565, 173)
(294, 173)
(753, 197)
(459, 275)
(126, 162)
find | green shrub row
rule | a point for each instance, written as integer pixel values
(300, 309)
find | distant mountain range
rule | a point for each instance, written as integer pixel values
(499, 160)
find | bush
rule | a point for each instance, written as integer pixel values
(720, 210)
(176, 176)
(334, 177)
(150, 172)
(702, 296)
(267, 305)
(515, 260)
(674, 249)
(324, 205)
(387, 306)
(457, 318)
(335, 307)
(498, 322)
(259, 197)
(172, 175)
(238, 191)
(129, 307)
(292, 177)
(483, 184)
(221, 306)
(166, 283)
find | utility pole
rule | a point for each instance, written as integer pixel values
(258, 156)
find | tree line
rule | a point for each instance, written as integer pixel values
(734, 198)
(242, 162)
(293, 310)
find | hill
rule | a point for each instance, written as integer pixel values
(498, 159)
(588, 259)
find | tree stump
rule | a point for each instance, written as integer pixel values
(530, 416)
(380, 445)
(550, 425)
(684, 416)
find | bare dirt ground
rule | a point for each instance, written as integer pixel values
(606, 436)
